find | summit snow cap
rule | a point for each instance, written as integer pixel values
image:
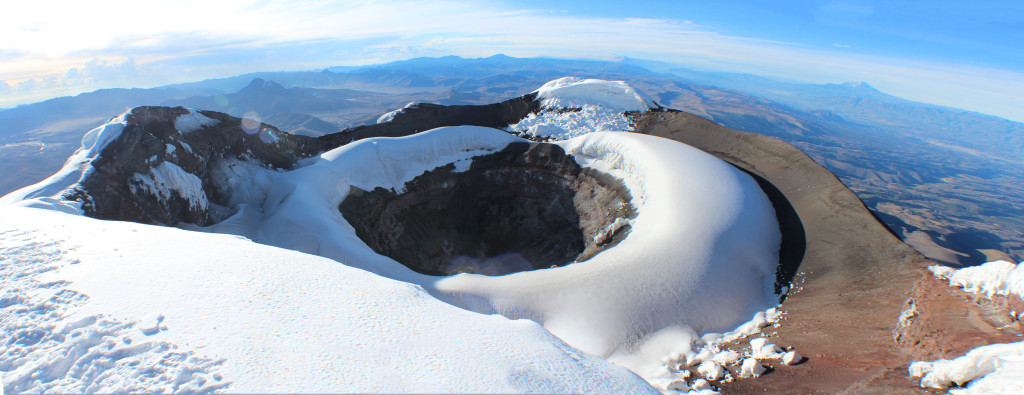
(573, 106)
(576, 92)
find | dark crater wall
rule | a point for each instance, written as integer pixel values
(108, 191)
(529, 206)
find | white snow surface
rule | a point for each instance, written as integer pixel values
(989, 369)
(389, 116)
(562, 125)
(751, 367)
(576, 92)
(993, 278)
(700, 259)
(573, 106)
(104, 306)
(192, 121)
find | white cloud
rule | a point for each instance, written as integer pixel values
(177, 41)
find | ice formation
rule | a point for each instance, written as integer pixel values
(575, 92)
(573, 106)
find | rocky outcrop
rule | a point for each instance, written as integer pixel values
(155, 173)
(529, 206)
(158, 170)
(425, 116)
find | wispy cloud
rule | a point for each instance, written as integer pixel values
(163, 42)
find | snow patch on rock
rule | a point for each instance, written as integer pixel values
(792, 358)
(192, 121)
(167, 179)
(752, 367)
(390, 116)
(993, 368)
(993, 278)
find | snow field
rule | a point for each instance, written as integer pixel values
(246, 317)
(47, 349)
(990, 369)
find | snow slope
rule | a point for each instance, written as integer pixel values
(99, 306)
(48, 193)
(990, 369)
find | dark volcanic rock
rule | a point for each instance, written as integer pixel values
(529, 206)
(426, 116)
(114, 188)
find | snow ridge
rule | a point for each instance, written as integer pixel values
(389, 116)
(46, 193)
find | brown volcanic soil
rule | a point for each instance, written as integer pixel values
(854, 278)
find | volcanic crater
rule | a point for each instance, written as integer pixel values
(529, 206)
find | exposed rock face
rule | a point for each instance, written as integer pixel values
(529, 206)
(424, 116)
(154, 172)
(130, 178)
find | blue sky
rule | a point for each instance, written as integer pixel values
(958, 53)
(981, 32)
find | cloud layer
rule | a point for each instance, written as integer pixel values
(118, 43)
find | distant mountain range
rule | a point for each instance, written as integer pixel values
(945, 180)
